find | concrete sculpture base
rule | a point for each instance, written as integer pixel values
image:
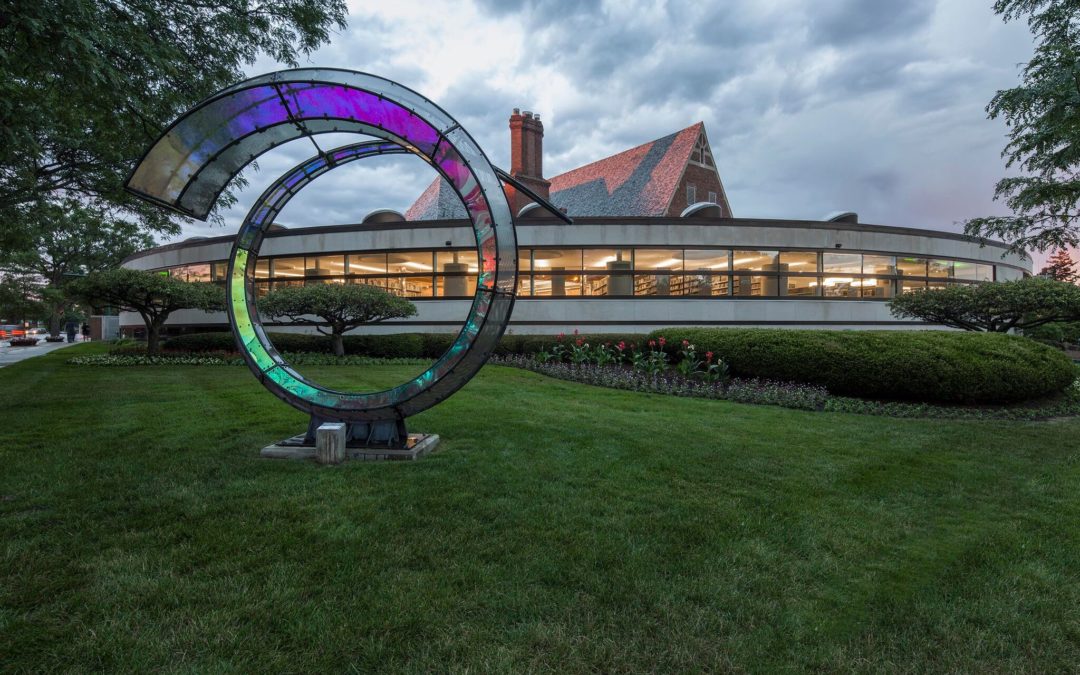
(417, 446)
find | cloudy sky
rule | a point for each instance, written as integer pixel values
(811, 106)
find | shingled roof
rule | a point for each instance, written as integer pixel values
(640, 181)
(437, 202)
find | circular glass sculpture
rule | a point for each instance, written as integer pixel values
(190, 165)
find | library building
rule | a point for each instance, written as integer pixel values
(654, 243)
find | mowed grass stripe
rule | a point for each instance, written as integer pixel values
(559, 527)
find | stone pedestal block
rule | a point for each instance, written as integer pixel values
(330, 443)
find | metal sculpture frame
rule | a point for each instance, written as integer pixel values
(189, 166)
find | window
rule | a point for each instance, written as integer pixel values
(409, 262)
(965, 270)
(457, 273)
(876, 288)
(701, 153)
(191, 272)
(324, 268)
(606, 259)
(658, 259)
(457, 262)
(754, 286)
(1008, 273)
(367, 263)
(712, 197)
(841, 263)
(288, 268)
(841, 287)
(691, 194)
(706, 260)
(879, 264)
(556, 259)
(797, 286)
(556, 285)
(911, 267)
(798, 261)
(755, 260)
(940, 268)
(413, 273)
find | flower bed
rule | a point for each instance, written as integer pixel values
(671, 382)
(647, 368)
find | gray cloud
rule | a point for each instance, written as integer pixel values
(810, 105)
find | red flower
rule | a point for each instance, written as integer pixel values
(685, 344)
(621, 346)
(652, 344)
(560, 336)
(663, 341)
(708, 357)
(579, 341)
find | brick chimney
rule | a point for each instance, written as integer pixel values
(526, 157)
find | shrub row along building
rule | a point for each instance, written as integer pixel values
(654, 243)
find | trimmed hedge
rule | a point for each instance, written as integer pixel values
(927, 366)
(397, 345)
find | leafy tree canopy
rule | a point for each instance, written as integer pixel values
(1043, 116)
(87, 85)
(154, 296)
(66, 240)
(338, 307)
(1000, 306)
(19, 300)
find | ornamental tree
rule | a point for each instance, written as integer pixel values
(153, 295)
(992, 307)
(334, 309)
(1060, 267)
(1043, 115)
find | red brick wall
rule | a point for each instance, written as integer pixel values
(704, 182)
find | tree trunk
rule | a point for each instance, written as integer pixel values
(56, 320)
(337, 339)
(153, 330)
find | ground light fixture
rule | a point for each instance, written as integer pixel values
(189, 166)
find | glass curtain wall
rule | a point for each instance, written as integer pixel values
(625, 272)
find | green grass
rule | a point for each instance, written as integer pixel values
(559, 527)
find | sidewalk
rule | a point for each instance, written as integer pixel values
(10, 355)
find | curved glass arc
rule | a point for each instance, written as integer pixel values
(192, 162)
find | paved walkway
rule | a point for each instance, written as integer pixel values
(10, 355)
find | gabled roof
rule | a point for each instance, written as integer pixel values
(640, 181)
(437, 202)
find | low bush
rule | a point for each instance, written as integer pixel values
(402, 345)
(226, 359)
(926, 366)
(398, 345)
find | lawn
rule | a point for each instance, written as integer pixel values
(558, 527)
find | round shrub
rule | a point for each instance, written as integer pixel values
(927, 366)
